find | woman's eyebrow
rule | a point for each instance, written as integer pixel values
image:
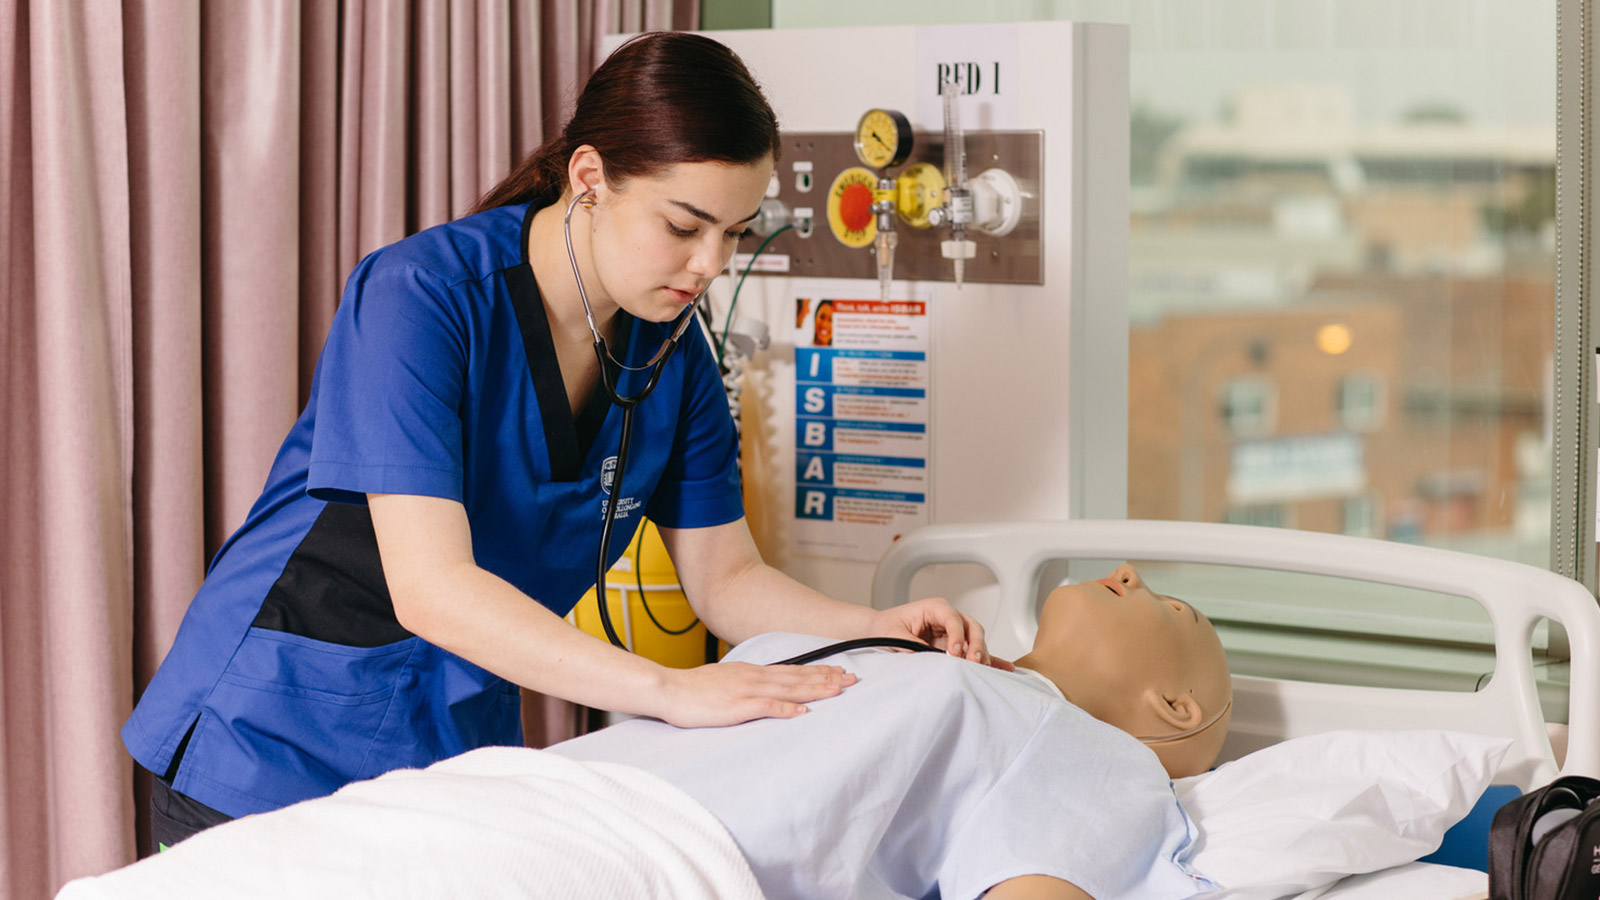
(704, 216)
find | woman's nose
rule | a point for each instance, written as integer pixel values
(706, 261)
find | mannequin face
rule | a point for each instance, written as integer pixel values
(1149, 664)
(656, 242)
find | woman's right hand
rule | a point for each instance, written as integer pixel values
(734, 692)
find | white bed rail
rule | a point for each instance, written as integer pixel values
(1267, 710)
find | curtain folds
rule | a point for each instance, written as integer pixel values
(185, 187)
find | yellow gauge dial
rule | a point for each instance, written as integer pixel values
(850, 201)
(883, 138)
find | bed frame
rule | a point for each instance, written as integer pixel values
(1267, 710)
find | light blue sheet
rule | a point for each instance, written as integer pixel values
(932, 776)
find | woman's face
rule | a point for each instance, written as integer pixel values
(824, 327)
(658, 241)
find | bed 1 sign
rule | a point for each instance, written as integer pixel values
(983, 61)
(861, 421)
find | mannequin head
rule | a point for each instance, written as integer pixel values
(1149, 664)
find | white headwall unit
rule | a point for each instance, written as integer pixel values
(1029, 383)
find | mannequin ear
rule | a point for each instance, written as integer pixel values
(1180, 712)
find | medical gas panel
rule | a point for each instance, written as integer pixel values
(835, 204)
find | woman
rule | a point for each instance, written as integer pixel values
(436, 509)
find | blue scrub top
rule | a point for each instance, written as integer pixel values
(290, 675)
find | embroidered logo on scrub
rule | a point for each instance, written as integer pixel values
(608, 476)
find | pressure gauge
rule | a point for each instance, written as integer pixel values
(883, 138)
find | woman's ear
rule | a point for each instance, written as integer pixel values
(1179, 712)
(586, 171)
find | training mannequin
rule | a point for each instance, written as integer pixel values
(1148, 664)
(944, 774)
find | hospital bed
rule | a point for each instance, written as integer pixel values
(1327, 792)
(1323, 733)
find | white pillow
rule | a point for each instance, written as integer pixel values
(1300, 814)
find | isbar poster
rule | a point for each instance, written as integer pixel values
(862, 417)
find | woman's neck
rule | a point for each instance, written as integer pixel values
(552, 270)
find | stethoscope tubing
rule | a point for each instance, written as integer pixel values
(855, 644)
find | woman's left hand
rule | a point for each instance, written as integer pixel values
(935, 622)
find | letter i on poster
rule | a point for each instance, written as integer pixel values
(862, 411)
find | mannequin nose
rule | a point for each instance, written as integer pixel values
(1128, 575)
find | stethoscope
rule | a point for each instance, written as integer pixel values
(611, 370)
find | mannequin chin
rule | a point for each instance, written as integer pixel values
(1149, 664)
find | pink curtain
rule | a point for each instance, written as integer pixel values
(184, 187)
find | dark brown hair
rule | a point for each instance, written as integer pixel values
(661, 98)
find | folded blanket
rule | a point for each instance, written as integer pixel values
(497, 822)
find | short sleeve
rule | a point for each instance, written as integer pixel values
(1083, 804)
(700, 485)
(389, 389)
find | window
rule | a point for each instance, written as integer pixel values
(1364, 194)
(1249, 405)
(1359, 516)
(1361, 399)
(1266, 516)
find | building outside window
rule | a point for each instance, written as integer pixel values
(1250, 407)
(1265, 516)
(1359, 516)
(1360, 401)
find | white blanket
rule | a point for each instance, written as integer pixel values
(498, 822)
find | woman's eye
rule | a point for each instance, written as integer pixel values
(679, 232)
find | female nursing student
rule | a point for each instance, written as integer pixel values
(436, 509)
